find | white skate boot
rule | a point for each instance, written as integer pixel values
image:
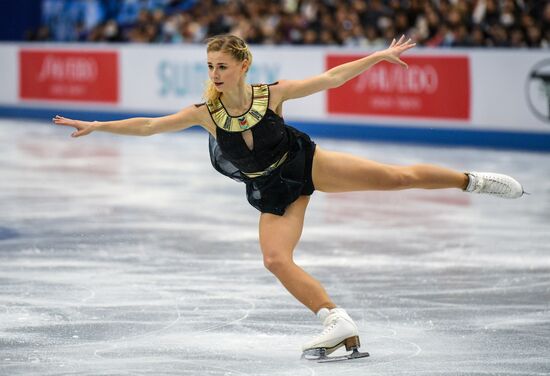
(494, 184)
(340, 330)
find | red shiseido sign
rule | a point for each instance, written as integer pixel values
(88, 76)
(432, 87)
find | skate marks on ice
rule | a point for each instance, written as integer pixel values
(126, 326)
(120, 256)
(390, 348)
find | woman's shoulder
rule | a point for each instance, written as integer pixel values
(199, 111)
(266, 84)
(206, 106)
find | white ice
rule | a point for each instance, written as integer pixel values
(132, 256)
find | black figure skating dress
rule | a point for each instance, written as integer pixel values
(277, 169)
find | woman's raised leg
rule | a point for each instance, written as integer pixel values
(341, 172)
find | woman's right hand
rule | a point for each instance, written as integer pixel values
(396, 48)
(82, 127)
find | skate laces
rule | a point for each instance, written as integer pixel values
(484, 183)
(494, 185)
(328, 328)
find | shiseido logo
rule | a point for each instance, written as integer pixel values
(538, 90)
(76, 69)
(418, 79)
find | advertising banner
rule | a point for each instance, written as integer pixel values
(84, 76)
(432, 87)
(468, 96)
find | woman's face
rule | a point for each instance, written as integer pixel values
(224, 71)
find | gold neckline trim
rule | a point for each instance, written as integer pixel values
(257, 110)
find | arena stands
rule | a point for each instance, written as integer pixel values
(359, 23)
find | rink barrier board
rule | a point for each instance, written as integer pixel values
(438, 136)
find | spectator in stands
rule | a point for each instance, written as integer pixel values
(372, 38)
(517, 38)
(478, 37)
(534, 36)
(498, 36)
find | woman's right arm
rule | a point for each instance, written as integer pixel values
(139, 126)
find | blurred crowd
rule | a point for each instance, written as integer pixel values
(358, 23)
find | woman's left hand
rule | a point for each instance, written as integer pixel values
(395, 49)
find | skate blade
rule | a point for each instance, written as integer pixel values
(314, 354)
(320, 356)
(354, 355)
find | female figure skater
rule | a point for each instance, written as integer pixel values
(281, 166)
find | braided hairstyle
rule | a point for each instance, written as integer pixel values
(232, 45)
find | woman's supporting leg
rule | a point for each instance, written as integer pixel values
(341, 172)
(279, 235)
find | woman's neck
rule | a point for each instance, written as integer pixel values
(239, 99)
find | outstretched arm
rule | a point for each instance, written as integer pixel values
(140, 126)
(340, 74)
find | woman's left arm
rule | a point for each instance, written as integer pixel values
(337, 76)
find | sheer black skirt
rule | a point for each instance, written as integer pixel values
(274, 192)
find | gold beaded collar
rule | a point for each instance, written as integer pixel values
(260, 101)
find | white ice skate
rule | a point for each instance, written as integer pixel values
(340, 330)
(494, 184)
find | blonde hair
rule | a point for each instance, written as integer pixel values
(232, 45)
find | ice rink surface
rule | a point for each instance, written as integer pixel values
(133, 256)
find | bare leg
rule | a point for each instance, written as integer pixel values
(340, 172)
(278, 238)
